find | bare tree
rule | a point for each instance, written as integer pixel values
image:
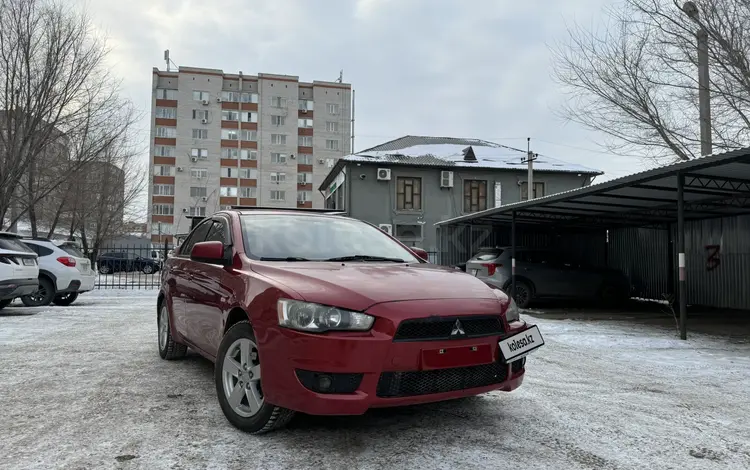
(55, 93)
(636, 78)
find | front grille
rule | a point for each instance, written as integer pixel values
(440, 328)
(406, 384)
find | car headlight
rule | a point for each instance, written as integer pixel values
(511, 310)
(316, 318)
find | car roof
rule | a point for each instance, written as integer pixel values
(10, 235)
(290, 212)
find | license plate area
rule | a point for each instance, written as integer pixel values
(519, 345)
(456, 356)
(28, 262)
(474, 272)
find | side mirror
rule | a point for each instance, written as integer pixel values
(208, 252)
(420, 253)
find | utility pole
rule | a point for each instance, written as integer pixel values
(351, 150)
(704, 94)
(530, 157)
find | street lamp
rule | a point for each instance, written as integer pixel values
(704, 96)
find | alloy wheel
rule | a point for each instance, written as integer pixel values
(241, 378)
(39, 296)
(163, 328)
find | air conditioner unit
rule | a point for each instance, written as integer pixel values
(292, 156)
(193, 159)
(387, 228)
(205, 102)
(218, 100)
(304, 110)
(204, 198)
(321, 160)
(185, 210)
(204, 121)
(446, 179)
(384, 174)
(179, 168)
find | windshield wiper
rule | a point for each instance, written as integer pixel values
(288, 258)
(366, 258)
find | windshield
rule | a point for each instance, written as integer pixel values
(316, 238)
(72, 250)
(14, 244)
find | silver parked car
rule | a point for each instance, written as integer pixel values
(547, 274)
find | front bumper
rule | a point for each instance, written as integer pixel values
(385, 373)
(14, 288)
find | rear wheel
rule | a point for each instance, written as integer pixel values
(169, 349)
(148, 269)
(105, 269)
(63, 300)
(5, 303)
(611, 295)
(43, 296)
(523, 295)
(239, 385)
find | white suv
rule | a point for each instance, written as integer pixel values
(19, 271)
(64, 272)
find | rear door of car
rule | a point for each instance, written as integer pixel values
(82, 263)
(20, 259)
(210, 292)
(182, 287)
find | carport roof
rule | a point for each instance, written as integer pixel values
(714, 186)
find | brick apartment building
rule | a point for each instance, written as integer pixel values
(220, 139)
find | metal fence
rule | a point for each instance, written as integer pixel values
(129, 266)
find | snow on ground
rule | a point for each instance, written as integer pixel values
(83, 387)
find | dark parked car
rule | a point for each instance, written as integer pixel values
(547, 274)
(329, 315)
(114, 261)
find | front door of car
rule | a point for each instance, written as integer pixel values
(209, 294)
(183, 286)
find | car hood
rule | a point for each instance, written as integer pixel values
(358, 286)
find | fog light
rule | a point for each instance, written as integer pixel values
(324, 383)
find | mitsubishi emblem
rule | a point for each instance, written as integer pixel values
(458, 329)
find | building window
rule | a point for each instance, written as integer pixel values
(304, 178)
(278, 177)
(306, 105)
(229, 172)
(230, 96)
(227, 152)
(332, 126)
(200, 134)
(278, 102)
(199, 173)
(278, 195)
(332, 144)
(279, 139)
(226, 191)
(198, 211)
(166, 94)
(200, 114)
(168, 132)
(249, 173)
(198, 191)
(304, 196)
(278, 120)
(475, 196)
(279, 158)
(229, 134)
(248, 116)
(199, 153)
(333, 108)
(305, 141)
(249, 97)
(166, 113)
(230, 115)
(248, 192)
(161, 228)
(163, 190)
(305, 159)
(306, 123)
(408, 194)
(408, 233)
(162, 209)
(164, 151)
(249, 154)
(538, 190)
(249, 136)
(201, 96)
(163, 170)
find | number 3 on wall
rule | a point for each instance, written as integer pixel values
(713, 261)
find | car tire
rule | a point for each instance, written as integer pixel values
(5, 303)
(611, 295)
(43, 296)
(251, 413)
(169, 349)
(63, 300)
(104, 269)
(148, 269)
(524, 294)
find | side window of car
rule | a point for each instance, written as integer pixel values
(33, 247)
(43, 250)
(198, 235)
(218, 232)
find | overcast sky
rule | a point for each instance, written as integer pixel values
(429, 67)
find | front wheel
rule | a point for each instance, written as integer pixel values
(148, 269)
(104, 269)
(239, 385)
(43, 296)
(5, 303)
(63, 300)
(169, 349)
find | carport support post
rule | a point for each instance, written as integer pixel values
(513, 256)
(681, 253)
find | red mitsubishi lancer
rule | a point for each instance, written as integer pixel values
(329, 315)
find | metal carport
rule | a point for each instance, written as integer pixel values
(712, 187)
